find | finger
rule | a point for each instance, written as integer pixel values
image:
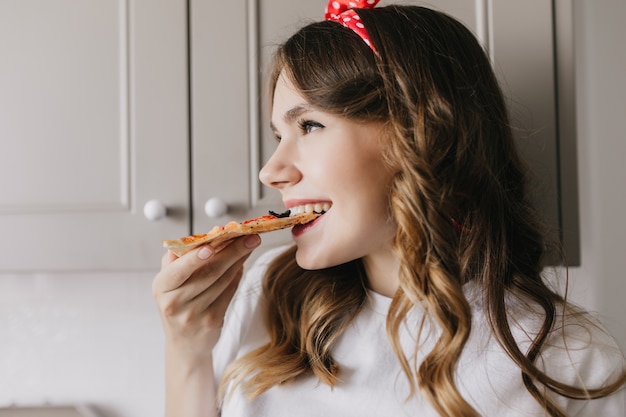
(216, 274)
(198, 308)
(176, 270)
(221, 303)
(223, 245)
(167, 258)
(212, 303)
(222, 261)
(211, 292)
(211, 264)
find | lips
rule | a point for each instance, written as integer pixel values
(302, 228)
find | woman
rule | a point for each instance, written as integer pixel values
(419, 291)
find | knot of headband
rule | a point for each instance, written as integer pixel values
(342, 11)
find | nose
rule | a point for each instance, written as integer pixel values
(280, 170)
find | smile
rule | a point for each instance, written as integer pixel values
(309, 208)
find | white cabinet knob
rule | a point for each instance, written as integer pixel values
(154, 210)
(215, 207)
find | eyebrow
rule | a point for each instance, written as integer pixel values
(293, 114)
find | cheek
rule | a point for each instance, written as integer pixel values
(369, 211)
(374, 184)
(325, 162)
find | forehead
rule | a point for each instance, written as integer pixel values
(288, 102)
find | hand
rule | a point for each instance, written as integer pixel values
(192, 293)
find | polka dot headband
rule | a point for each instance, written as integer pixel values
(342, 11)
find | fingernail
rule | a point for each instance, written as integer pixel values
(252, 241)
(205, 253)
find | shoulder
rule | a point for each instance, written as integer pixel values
(581, 352)
(578, 349)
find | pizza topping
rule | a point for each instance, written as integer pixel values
(268, 217)
(281, 215)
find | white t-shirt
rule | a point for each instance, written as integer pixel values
(373, 384)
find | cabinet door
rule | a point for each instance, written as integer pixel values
(93, 123)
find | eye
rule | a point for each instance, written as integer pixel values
(308, 126)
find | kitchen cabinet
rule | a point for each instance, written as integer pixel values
(107, 105)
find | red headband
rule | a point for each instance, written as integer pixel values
(342, 11)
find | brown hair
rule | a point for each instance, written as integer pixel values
(460, 200)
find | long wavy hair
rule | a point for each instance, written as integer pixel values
(460, 200)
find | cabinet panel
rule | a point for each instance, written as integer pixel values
(49, 75)
(93, 109)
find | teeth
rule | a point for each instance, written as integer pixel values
(309, 208)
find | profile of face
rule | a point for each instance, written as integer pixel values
(334, 163)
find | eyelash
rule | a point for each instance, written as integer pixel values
(306, 125)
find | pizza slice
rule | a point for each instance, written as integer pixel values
(220, 234)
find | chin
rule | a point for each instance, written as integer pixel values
(307, 263)
(310, 262)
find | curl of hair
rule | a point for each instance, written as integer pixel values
(460, 199)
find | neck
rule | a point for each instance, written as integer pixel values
(382, 270)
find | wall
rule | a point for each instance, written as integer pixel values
(81, 338)
(96, 338)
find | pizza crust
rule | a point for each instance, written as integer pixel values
(231, 230)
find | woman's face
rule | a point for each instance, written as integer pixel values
(332, 162)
